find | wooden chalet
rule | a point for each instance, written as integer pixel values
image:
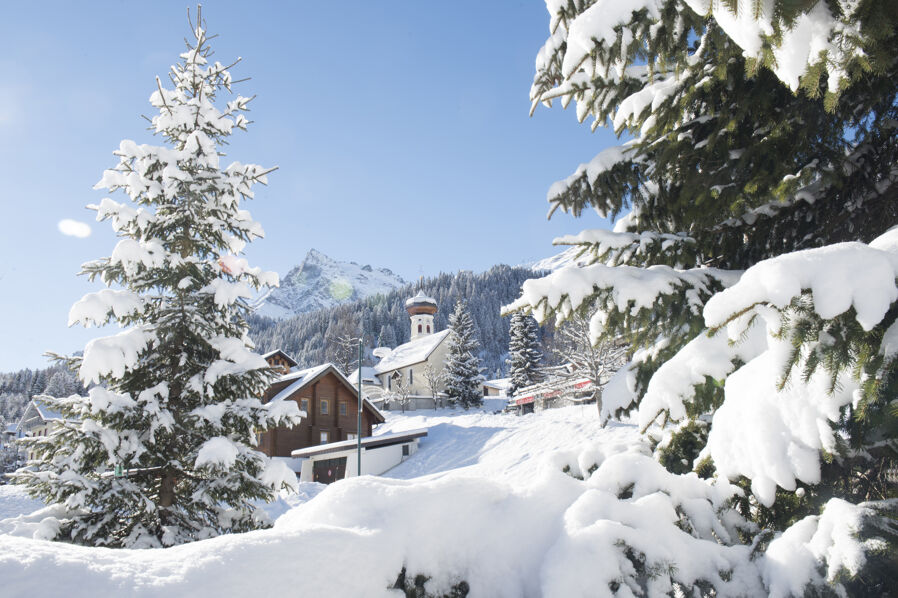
(330, 403)
(279, 359)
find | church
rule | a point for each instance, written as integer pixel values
(407, 377)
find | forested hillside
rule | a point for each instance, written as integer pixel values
(311, 338)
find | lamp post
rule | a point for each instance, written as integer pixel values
(358, 428)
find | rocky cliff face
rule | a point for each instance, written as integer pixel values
(320, 281)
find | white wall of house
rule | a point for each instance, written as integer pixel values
(375, 461)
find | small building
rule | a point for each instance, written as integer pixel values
(330, 403)
(37, 420)
(410, 366)
(279, 359)
(9, 435)
(339, 460)
(495, 388)
(558, 392)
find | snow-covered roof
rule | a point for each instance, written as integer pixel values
(284, 355)
(46, 413)
(303, 377)
(38, 408)
(498, 383)
(369, 442)
(411, 352)
(368, 376)
(420, 298)
(300, 379)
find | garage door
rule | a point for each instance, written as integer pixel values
(329, 470)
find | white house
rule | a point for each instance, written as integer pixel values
(339, 460)
(410, 366)
(38, 420)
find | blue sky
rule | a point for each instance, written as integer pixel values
(400, 130)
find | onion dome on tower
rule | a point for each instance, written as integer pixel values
(421, 309)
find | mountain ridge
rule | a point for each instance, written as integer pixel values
(320, 281)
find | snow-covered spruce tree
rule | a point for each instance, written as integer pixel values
(524, 352)
(755, 271)
(161, 451)
(463, 377)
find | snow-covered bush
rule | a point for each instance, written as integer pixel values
(754, 274)
(160, 451)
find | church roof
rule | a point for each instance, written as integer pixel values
(419, 299)
(411, 352)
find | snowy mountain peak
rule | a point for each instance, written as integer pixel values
(320, 281)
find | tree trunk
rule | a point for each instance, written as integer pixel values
(167, 491)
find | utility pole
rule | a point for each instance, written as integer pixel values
(358, 428)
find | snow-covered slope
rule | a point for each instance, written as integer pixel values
(485, 475)
(540, 505)
(320, 281)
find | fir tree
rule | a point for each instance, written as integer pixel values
(160, 451)
(463, 378)
(763, 136)
(524, 352)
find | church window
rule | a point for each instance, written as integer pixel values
(419, 328)
(428, 329)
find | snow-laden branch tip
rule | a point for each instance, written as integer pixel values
(839, 277)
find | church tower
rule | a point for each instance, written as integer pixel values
(421, 309)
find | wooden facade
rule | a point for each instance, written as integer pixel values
(331, 406)
(279, 359)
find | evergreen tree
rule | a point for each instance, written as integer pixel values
(763, 137)
(463, 378)
(524, 351)
(163, 452)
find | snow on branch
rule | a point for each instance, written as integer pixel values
(774, 436)
(236, 359)
(630, 288)
(706, 356)
(589, 173)
(113, 355)
(597, 25)
(97, 308)
(613, 247)
(839, 276)
(816, 37)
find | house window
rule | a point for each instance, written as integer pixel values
(419, 328)
(304, 405)
(342, 407)
(389, 380)
(351, 436)
(428, 329)
(405, 450)
(323, 406)
(411, 376)
(324, 439)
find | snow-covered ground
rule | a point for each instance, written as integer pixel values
(483, 500)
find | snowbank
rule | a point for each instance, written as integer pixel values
(540, 505)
